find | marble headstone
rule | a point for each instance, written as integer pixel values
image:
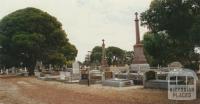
(75, 68)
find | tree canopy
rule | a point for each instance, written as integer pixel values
(96, 55)
(174, 31)
(29, 35)
(114, 55)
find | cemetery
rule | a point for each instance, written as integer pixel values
(39, 64)
(138, 73)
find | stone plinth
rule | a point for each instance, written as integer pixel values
(139, 57)
(140, 67)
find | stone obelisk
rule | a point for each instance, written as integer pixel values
(139, 59)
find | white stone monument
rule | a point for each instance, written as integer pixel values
(75, 71)
(50, 68)
(64, 75)
(7, 71)
(75, 68)
(1, 71)
(13, 70)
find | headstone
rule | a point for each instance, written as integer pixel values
(50, 68)
(75, 68)
(108, 75)
(95, 76)
(25, 69)
(84, 75)
(38, 66)
(37, 74)
(25, 72)
(13, 70)
(1, 71)
(64, 75)
(7, 71)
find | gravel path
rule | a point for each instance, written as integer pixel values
(32, 91)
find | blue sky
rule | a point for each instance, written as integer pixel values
(87, 22)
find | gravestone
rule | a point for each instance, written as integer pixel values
(107, 75)
(13, 70)
(75, 68)
(64, 75)
(1, 71)
(7, 71)
(84, 77)
(25, 72)
(84, 74)
(50, 68)
(65, 67)
(39, 66)
(37, 74)
(75, 71)
(95, 76)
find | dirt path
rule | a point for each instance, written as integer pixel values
(33, 91)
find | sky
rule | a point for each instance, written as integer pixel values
(87, 22)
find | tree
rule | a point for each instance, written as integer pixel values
(128, 57)
(114, 55)
(158, 49)
(96, 55)
(29, 35)
(179, 21)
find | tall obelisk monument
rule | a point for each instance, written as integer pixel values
(139, 57)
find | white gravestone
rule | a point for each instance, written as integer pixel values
(75, 68)
(64, 75)
(1, 71)
(25, 69)
(50, 67)
(13, 70)
(7, 71)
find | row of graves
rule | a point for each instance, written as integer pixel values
(13, 71)
(107, 76)
(60, 74)
(156, 78)
(83, 75)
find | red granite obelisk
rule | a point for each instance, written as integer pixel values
(139, 57)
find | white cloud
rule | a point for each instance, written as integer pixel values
(87, 22)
